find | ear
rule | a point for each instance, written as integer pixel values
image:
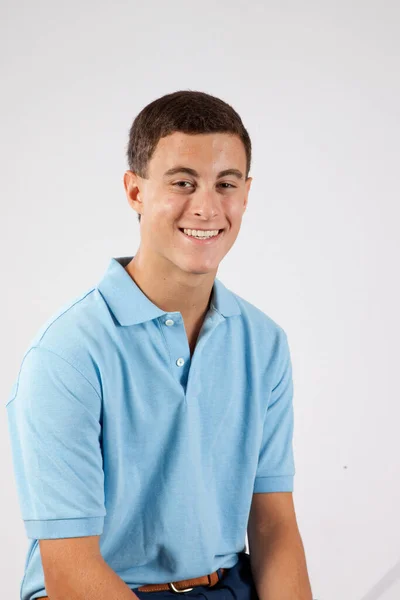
(247, 184)
(133, 187)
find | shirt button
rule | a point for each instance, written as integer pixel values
(180, 362)
(169, 322)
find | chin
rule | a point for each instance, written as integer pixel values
(196, 267)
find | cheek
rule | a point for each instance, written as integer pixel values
(165, 202)
(161, 204)
(170, 208)
(234, 212)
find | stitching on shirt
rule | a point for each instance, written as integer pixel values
(71, 365)
(18, 376)
(61, 358)
(64, 519)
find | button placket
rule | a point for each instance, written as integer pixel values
(178, 345)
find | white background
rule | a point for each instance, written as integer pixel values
(317, 86)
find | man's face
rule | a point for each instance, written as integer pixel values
(204, 199)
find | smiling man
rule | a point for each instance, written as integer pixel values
(152, 418)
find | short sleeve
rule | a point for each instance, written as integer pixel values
(54, 426)
(276, 469)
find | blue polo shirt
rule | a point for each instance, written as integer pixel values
(117, 431)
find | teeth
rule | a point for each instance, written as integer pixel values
(201, 234)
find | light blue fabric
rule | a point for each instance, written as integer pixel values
(113, 435)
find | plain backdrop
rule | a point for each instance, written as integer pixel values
(317, 85)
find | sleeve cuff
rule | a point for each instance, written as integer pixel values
(282, 483)
(63, 528)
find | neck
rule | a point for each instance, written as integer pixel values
(171, 289)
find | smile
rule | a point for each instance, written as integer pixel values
(204, 240)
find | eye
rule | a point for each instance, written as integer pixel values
(182, 186)
(228, 184)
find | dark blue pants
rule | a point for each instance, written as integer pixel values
(236, 584)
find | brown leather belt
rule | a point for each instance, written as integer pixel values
(184, 585)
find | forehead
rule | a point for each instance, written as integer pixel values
(211, 151)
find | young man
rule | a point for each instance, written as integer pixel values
(151, 421)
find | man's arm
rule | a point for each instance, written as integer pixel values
(277, 557)
(75, 569)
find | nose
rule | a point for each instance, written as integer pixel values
(205, 203)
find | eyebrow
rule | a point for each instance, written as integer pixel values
(181, 169)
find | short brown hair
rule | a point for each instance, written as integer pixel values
(187, 111)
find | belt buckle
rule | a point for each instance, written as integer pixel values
(171, 585)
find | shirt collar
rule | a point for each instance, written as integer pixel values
(131, 306)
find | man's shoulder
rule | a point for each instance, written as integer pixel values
(258, 319)
(71, 331)
(264, 334)
(72, 313)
